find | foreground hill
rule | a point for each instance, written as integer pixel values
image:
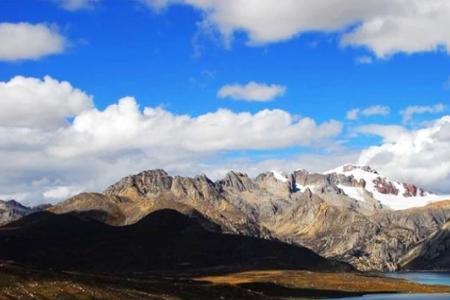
(163, 240)
(343, 214)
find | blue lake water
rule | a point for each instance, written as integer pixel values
(439, 278)
(402, 296)
(435, 278)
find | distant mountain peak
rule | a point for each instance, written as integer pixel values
(11, 210)
(346, 168)
(144, 182)
(237, 180)
(391, 193)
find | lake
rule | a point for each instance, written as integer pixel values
(440, 278)
(435, 278)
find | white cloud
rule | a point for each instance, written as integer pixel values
(415, 26)
(62, 192)
(375, 110)
(385, 27)
(74, 5)
(44, 157)
(420, 156)
(35, 103)
(252, 91)
(389, 133)
(364, 60)
(123, 126)
(409, 112)
(353, 114)
(19, 41)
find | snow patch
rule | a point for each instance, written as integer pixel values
(300, 187)
(356, 193)
(303, 188)
(280, 176)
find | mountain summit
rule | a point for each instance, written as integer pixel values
(393, 194)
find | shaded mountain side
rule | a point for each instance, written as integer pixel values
(432, 253)
(163, 240)
(119, 211)
(93, 204)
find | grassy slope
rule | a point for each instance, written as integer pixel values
(344, 282)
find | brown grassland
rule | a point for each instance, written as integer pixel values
(18, 282)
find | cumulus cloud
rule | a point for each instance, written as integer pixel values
(74, 5)
(389, 133)
(252, 91)
(62, 192)
(36, 103)
(124, 126)
(410, 27)
(385, 27)
(19, 41)
(420, 156)
(45, 157)
(375, 110)
(409, 112)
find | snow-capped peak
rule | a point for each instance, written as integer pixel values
(393, 194)
(352, 168)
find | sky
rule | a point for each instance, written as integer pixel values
(94, 90)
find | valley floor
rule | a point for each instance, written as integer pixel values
(23, 283)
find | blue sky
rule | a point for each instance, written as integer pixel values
(162, 54)
(123, 48)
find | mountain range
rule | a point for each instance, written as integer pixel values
(350, 214)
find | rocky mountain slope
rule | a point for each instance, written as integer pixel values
(351, 213)
(431, 253)
(12, 210)
(134, 197)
